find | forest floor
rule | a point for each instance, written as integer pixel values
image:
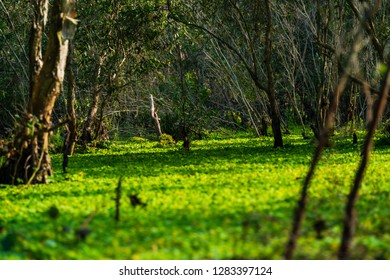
(230, 197)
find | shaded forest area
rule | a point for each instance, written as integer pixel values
(79, 76)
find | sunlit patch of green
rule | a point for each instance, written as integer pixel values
(230, 197)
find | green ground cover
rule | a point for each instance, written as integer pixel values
(229, 198)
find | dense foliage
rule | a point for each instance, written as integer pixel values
(314, 75)
(196, 56)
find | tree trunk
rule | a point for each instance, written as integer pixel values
(350, 218)
(154, 116)
(101, 132)
(35, 44)
(274, 113)
(71, 137)
(71, 125)
(28, 161)
(86, 137)
(252, 67)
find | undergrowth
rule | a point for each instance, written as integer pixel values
(230, 197)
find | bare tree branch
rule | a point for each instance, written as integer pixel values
(350, 218)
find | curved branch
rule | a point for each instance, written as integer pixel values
(368, 25)
(350, 218)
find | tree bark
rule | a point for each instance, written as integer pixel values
(154, 116)
(274, 113)
(71, 110)
(323, 142)
(28, 161)
(101, 132)
(35, 44)
(71, 122)
(86, 136)
(350, 218)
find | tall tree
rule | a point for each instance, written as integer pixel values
(28, 159)
(247, 33)
(71, 118)
(351, 67)
(350, 217)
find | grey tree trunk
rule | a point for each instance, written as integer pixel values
(154, 116)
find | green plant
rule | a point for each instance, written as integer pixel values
(166, 139)
(56, 143)
(101, 144)
(386, 127)
(231, 197)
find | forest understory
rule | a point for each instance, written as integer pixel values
(213, 129)
(230, 197)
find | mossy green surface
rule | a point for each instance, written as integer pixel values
(228, 198)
